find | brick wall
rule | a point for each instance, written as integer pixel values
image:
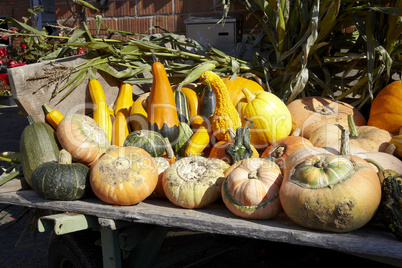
(136, 16)
(139, 16)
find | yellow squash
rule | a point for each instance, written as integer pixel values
(120, 128)
(101, 110)
(53, 116)
(138, 116)
(124, 98)
(272, 119)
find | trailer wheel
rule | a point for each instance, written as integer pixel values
(75, 250)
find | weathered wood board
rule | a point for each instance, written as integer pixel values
(30, 94)
(371, 241)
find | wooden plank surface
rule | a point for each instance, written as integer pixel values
(30, 94)
(371, 240)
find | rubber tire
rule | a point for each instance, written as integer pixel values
(75, 250)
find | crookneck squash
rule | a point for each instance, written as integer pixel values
(38, 145)
(124, 98)
(162, 111)
(225, 115)
(53, 116)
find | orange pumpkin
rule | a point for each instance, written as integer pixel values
(309, 113)
(124, 176)
(83, 138)
(235, 86)
(251, 190)
(386, 111)
(281, 149)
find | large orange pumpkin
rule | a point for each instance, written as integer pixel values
(124, 176)
(386, 111)
(309, 113)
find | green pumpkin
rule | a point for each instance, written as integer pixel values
(149, 140)
(62, 180)
(38, 145)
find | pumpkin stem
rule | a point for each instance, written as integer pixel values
(169, 149)
(352, 126)
(249, 96)
(391, 149)
(375, 163)
(65, 157)
(296, 132)
(345, 146)
(252, 175)
(320, 164)
(31, 119)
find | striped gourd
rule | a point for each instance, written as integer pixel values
(183, 111)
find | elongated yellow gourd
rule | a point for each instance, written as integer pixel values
(52, 116)
(138, 116)
(198, 142)
(124, 98)
(103, 118)
(120, 128)
(96, 91)
(101, 110)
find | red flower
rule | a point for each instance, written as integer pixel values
(23, 46)
(3, 52)
(12, 64)
(4, 77)
(80, 51)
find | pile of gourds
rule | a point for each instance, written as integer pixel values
(316, 159)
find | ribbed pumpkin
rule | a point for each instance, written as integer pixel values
(162, 111)
(81, 136)
(149, 140)
(194, 182)
(337, 193)
(235, 86)
(61, 180)
(124, 176)
(38, 145)
(251, 190)
(309, 113)
(386, 111)
(271, 117)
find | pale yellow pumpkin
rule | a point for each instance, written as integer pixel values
(272, 119)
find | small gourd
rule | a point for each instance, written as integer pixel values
(62, 180)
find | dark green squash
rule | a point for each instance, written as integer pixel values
(208, 100)
(151, 141)
(61, 180)
(241, 148)
(183, 110)
(38, 145)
